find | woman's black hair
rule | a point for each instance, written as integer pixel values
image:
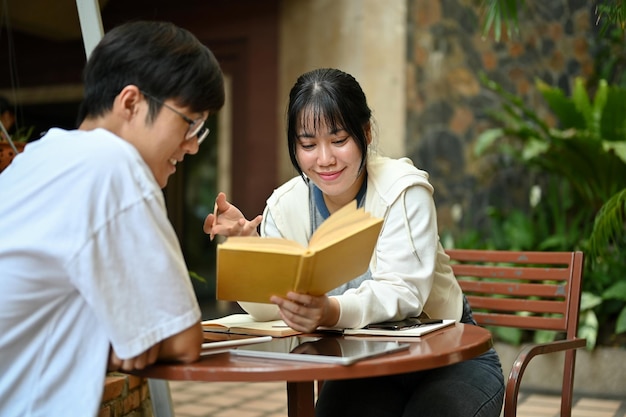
(335, 98)
(160, 58)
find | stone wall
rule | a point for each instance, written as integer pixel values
(447, 107)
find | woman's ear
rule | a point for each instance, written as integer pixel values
(368, 132)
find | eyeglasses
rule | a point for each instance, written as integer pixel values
(196, 127)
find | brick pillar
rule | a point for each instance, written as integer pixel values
(125, 396)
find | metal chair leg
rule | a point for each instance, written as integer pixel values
(161, 398)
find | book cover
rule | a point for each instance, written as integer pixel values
(254, 269)
(245, 324)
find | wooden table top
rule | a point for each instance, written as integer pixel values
(446, 346)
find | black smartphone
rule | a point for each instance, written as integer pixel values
(403, 324)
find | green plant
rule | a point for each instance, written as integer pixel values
(608, 230)
(197, 277)
(550, 222)
(613, 12)
(586, 156)
(499, 14)
(23, 134)
(609, 63)
(588, 148)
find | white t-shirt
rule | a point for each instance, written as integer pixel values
(88, 258)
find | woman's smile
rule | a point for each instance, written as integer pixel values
(329, 175)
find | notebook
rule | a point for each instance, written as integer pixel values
(333, 350)
(410, 331)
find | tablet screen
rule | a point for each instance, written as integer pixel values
(319, 349)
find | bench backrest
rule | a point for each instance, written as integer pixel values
(528, 290)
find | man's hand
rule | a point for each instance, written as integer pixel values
(138, 362)
(184, 346)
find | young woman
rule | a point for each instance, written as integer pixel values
(329, 135)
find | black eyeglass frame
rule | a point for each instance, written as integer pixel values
(200, 131)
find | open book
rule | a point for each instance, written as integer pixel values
(254, 269)
(245, 324)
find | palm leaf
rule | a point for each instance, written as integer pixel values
(499, 13)
(609, 224)
(613, 14)
(613, 126)
(570, 112)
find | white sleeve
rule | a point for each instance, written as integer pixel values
(404, 270)
(133, 275)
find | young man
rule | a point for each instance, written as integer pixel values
(92, 275)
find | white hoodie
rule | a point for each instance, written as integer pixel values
(410, 269)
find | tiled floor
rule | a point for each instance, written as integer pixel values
(269, 399)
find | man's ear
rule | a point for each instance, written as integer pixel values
(126, 103)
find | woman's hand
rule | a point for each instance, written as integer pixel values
(305, 312)
(228, 220)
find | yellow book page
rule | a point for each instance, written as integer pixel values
(224, 323)
(245, 324)
(275, 328)
(348, 224)
(263, 244)
(342, 231)
(338, 217)
(345, 259)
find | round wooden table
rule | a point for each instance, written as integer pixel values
(443, 347)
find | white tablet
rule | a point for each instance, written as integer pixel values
(325, 349)
(220, 342)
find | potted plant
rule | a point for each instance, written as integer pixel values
(10, 146)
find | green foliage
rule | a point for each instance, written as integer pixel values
(498, 14)
(508, 335)
(608, 229)
(617, 292)
(612, 12)
(587, 151)
(588, 326)
(23, 134)
(198, 277)
(609, 57)
(581, 165)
